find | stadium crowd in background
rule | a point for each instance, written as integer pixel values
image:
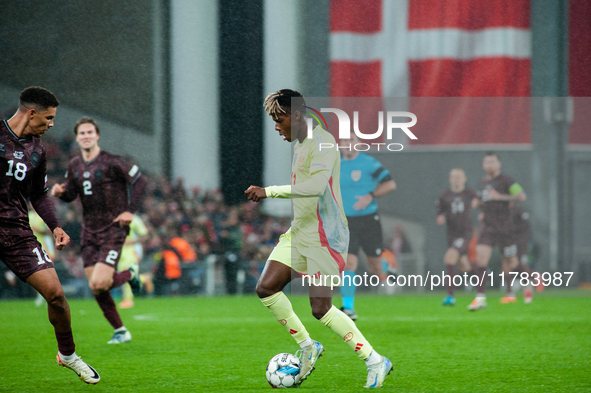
(240, 237)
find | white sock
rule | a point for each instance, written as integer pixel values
(69, 357)
(373, 358)
(306, 342)
(122, 329)
(480, 296)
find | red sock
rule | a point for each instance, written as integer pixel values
(65, 343)
(451, 271)
(120, 278)
(107, 304)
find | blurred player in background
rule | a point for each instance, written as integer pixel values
(23, 163)
(496, 193)
(102, 181)
(131, 255)
(454, 208)
(316, 244)
(521, 226)
(363, 180)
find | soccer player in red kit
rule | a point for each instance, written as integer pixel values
(454, 207)
(23, 163)
(102, 181)
(496, 193)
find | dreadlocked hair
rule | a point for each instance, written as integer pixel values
(284, 101)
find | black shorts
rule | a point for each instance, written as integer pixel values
(23, 255)
(365, 233)
(502, 238)
(104, 248)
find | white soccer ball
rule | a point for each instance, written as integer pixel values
(283, 370)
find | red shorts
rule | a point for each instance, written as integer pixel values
(504, 239)
(104, 248)
(23, 255)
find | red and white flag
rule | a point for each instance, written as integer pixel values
(579, 64)
(439, 48)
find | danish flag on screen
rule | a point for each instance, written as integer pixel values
(438, 48)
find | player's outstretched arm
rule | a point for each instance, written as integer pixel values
(138, 189)
(313, 187)
(58, 190)
(382, 189)
(124, 219)
(494, 195)
(61, 238)
(65, 191)
(43, 206)
(255, 194)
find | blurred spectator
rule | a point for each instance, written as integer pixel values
(238, 236)
(75, 277)
(172, 273)
(231, 248)
(73, 227)
(400, 244)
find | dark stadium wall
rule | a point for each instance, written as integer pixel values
(241, 89)
(105, 59)
(96, 56)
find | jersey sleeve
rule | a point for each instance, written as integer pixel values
(133, 177)
(440, 205)
(322, 162)
(131, 172)
(509, 186)
(378, 172)
(515, 189)
(39, 199)
(321, 166)
(39, 185)
(71, 191)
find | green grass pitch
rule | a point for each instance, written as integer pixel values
(224, 344)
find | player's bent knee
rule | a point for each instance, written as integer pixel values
(320, 310)
(264, 291)
(99, 286)
(55, 297)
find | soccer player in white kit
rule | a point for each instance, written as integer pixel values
(316, 244)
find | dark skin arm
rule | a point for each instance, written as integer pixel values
(255, 193)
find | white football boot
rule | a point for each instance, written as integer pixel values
(83, 370)
(376, 373)
(120, 338)
(478, 303)
(308, 357)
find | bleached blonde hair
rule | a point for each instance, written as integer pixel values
(284, 101)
